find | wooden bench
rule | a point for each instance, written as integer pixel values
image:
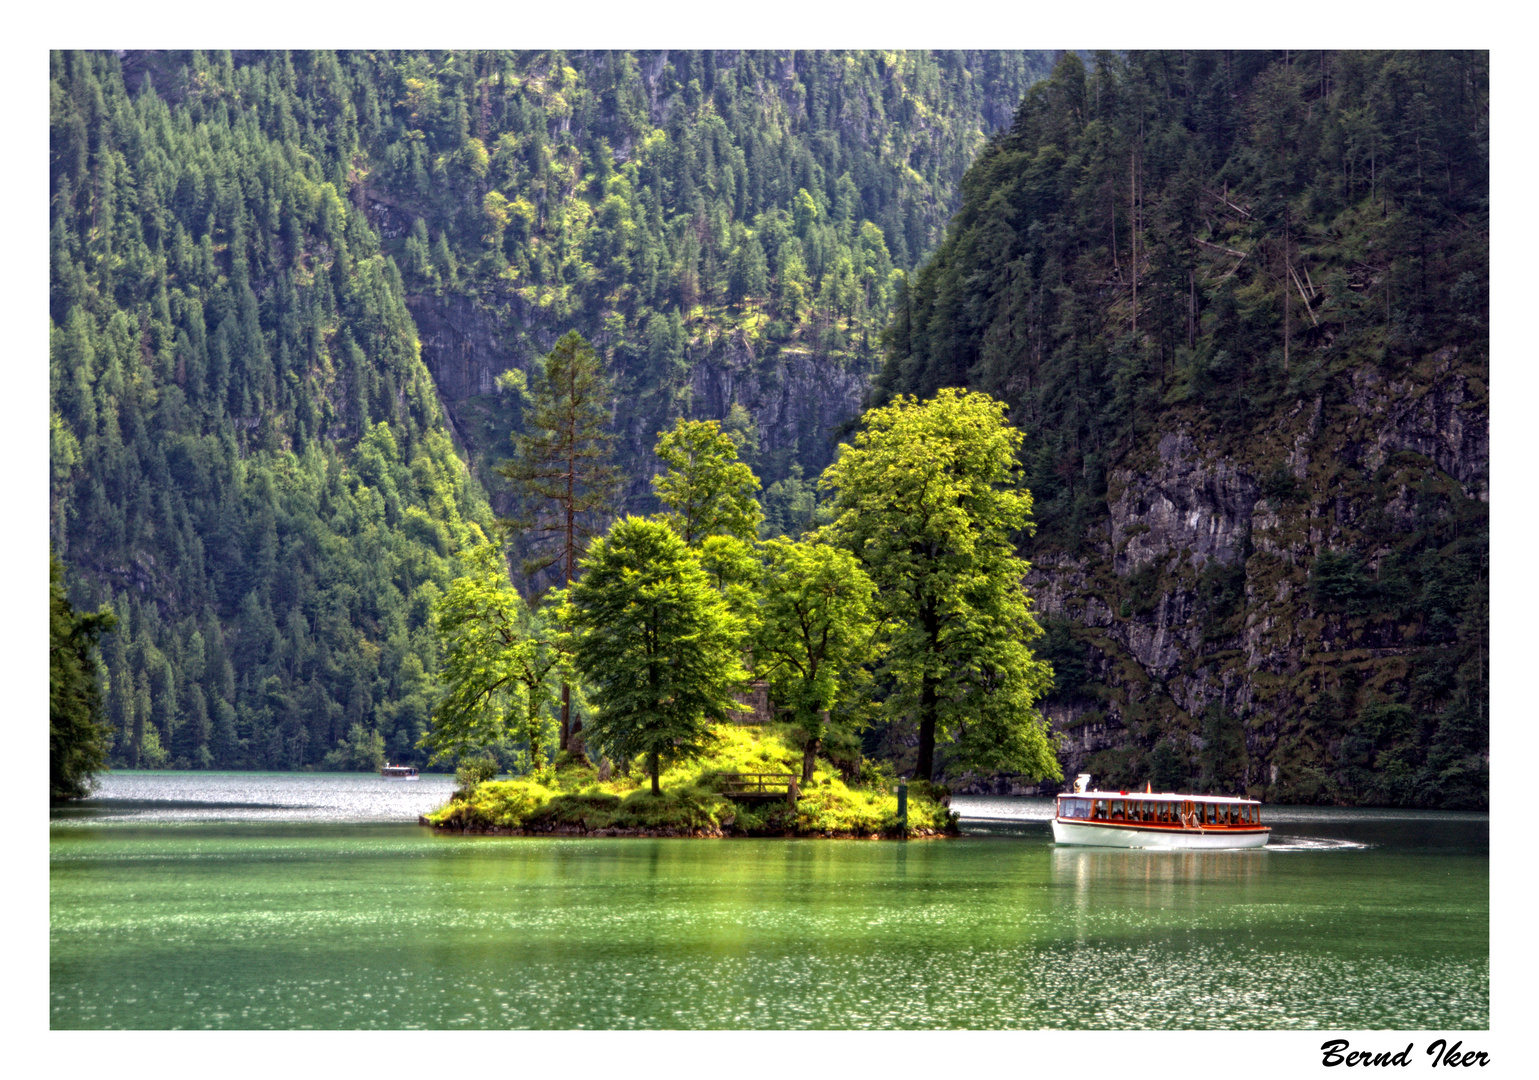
(760, 787)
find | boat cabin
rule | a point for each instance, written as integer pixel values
(1163, 810)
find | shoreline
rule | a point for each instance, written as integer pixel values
(570, 830)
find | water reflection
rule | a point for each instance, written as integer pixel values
(1092, 868)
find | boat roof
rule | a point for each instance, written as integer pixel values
(1157, 796)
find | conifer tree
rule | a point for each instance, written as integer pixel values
(77, 731)
(561, 463)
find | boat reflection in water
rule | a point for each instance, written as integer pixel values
(1112, 893)
(1085, 868)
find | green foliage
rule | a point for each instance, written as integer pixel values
(561, 468)
(1222, 757)
(475, 771)
(1221, 590)
(816, 634)
(77, 733)
(656, 645)
(1066, 656)
(1169, 766)
(672, 207)
(1337, 582)
(1093, 312)
(707, 490)
(929, 500)
(362, 751)
(498, 667)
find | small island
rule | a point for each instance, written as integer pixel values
(699, 798)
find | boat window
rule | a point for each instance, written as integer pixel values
(1100, 810)
(1118, 812)
(1209, 813)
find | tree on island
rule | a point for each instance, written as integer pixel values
(656, 646)
(816, 634)
(498, 665)
(561, 463)
(928, 499)
(709, 499)
(77, 732)
(707, 490)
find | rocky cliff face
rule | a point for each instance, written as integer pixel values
(797, 400)
(1166, 651)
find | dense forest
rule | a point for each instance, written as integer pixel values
(250, 460)
(1238, 303)
(1235, 301)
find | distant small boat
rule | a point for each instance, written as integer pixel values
(398, 772)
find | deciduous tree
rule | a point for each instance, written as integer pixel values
(656, 645)
(816, 634)
(498, 665)
(707, 490)
(929, 499)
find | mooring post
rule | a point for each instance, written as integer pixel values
(903, 805)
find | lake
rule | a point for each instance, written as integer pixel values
(275, 900)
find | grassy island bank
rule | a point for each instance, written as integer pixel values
(574, 798)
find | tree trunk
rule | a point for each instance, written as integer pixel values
(925, 767)
(1133, 231)
(809, 757)
(566, 715)
(653, 767)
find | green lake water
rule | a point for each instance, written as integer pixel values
(239, 901)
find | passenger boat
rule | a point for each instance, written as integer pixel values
(1144, 819)
(398, 772)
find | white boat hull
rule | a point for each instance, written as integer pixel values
(1123, 836)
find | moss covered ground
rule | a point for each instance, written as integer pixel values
(574, 797)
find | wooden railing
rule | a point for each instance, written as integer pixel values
(760, 786)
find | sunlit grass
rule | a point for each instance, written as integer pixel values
(573, 797)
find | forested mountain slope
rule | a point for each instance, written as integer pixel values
(248, 456)
(728, 228)
(1238, 303)
(252, 451)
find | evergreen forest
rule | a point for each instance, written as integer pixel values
(250, 461)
